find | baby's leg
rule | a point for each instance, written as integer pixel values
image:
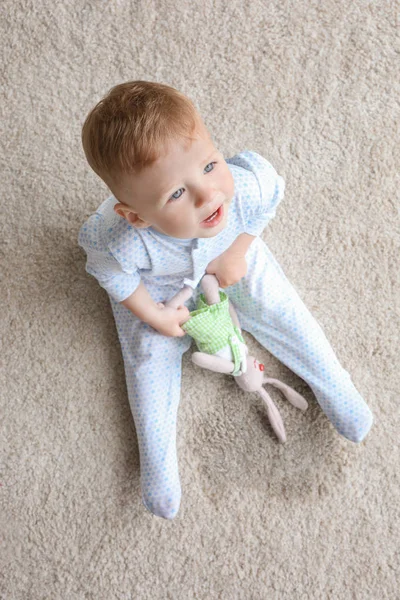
(153, 376)
(270, 309)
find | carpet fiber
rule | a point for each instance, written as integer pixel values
(313, 87)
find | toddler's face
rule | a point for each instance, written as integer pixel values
(180, 191)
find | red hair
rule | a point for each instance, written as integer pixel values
(128, 129)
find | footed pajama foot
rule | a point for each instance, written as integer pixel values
(164, 504)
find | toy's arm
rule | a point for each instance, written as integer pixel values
(180, 298)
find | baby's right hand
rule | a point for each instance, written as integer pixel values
(168, 319)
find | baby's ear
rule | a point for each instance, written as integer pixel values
(125, 211)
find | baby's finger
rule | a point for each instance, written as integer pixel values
(183, 319)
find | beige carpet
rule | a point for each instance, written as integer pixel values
(312, 86)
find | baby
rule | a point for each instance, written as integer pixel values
(180, 210)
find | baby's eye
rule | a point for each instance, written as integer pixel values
(211, 163)
(174, 197)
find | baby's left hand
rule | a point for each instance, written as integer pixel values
(228, 268)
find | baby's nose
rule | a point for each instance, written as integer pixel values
(203, 198)
(207, 197)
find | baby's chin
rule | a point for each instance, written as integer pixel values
(208, 233)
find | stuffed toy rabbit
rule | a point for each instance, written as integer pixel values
(215, 327)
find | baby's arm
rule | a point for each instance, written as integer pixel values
(230, 266)
(241, 244)
(164, 319)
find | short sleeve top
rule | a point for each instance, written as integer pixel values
(119, 255)
(259, 189)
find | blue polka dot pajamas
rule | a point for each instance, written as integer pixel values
(268, 307)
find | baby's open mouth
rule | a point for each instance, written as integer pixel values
(214, 218)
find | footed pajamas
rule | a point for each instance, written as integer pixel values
(267, 305)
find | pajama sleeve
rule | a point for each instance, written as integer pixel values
(261, 190)
(101, 263)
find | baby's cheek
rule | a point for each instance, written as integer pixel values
(180, 221)
(230, 181)
(180, 218)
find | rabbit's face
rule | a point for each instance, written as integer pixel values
(258, 365)
(252, 380)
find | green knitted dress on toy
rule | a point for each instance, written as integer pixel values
(212, 329)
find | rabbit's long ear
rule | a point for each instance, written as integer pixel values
(213, 363)
(273, 415)
(290, 394)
